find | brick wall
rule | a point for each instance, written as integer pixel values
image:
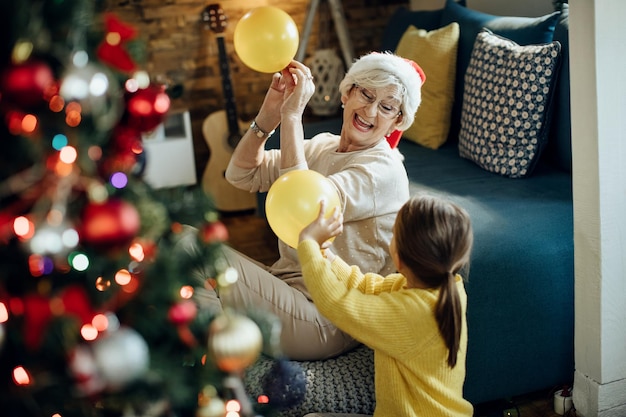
(182, 50)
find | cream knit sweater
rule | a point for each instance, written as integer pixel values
(372, 185)
(412, 377)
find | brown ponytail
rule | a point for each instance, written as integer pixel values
(434, 239)
(448, 313)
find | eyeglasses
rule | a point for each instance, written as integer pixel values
(366, 97)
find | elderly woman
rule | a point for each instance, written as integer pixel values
(380, 95)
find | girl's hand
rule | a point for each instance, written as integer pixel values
(323, 229)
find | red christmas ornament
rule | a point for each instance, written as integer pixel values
(6, 226)
(182, 312)
(125, 147)
(25, 84)
(109, 224)
(214, 232)
(146, 108)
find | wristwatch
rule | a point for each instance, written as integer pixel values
(260, 133)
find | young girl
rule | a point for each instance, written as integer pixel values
(414, 319)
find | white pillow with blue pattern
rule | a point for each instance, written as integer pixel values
(506, 104)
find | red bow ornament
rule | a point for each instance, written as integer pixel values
(39, 311)
(110, 51)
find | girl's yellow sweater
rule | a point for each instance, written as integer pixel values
(412, 376)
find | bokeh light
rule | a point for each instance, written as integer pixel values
(46, 240)
(162, 103)
(136, 252)
(80, 58)
(100, 322)
(113, 38)
(228, 277)
(56, 103)
(102, 284)
(233, 407)
(70, 238)
(99, 84)
(131, 85)
(4, 313)
(73, 114)
(95, 153)
(122, 277)
(23, 227)
(88, 332)
(36, 265)
(119, 180)
(29, 123)
(68, 154)
(137, 148)
(21, 376)
(73, 118)
(142, 78)
(186, 292)
(59, 141)
(79, 261)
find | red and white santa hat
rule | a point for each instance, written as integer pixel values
(406, 71)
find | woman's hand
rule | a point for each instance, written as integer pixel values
(299, 89)
(323, 229)
(289, 92)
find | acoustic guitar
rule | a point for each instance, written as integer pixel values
(222, 130)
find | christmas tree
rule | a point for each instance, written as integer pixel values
(98, 270)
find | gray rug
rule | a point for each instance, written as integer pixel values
(344, 384)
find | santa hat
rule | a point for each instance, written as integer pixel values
(409, 73)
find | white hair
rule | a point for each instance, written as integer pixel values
(382, 69)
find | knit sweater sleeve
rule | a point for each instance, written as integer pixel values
(371, 308)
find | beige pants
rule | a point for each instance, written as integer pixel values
(335, 415)
(305, 333)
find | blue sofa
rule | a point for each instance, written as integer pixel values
(521, 277)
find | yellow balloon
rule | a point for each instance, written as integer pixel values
(266, 39)
(293, 201)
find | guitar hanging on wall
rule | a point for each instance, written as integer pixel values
(222, 130)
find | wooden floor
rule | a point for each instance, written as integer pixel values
(251, 235)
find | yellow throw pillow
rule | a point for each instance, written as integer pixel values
(435, 52)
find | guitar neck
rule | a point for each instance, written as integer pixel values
(227, 88)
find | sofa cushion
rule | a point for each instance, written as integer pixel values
(522, 30)
(506, 104)
(400, 22)
(435, 51)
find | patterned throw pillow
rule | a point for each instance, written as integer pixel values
(506, 104)
(435, 52)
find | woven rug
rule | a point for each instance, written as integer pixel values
(344, 384)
